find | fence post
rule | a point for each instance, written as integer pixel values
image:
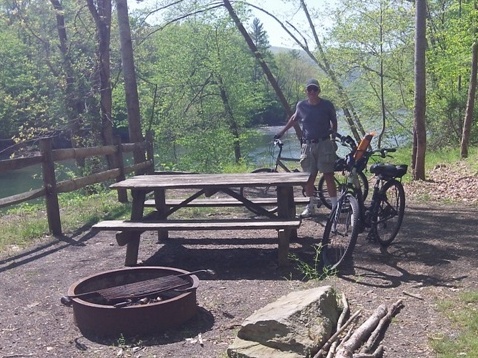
(49, 183)
(122, 193)
(150, 149)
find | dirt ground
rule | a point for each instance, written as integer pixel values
(433, 258)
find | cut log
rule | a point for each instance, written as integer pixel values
(335, 336)
(340, 322)
(367, 347)
(377, 354)
(361, 334)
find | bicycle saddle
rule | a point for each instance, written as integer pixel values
(389, 170)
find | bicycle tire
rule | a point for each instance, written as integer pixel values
(388, 212)
(323, 193)
(341, 232)
(251, 192)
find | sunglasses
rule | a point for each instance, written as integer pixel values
(312, 89)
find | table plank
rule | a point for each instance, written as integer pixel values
(194, 181)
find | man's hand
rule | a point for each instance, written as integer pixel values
(277, 136)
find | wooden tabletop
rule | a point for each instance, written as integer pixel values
(178, 181)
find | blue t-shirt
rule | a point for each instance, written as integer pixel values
(316, 119)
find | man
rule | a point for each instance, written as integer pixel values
(318, 119)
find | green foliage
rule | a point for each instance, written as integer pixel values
(373, 41)
(449, 58)
(204, 110)
(314, 271)
(198, 81)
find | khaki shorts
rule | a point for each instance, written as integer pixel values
(319, 156)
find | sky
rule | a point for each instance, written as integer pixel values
(276, 34)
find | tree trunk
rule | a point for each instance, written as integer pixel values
(420, 90)
(131, 90)
(470, 105)
(263, 64)
(73, 103)
(230, 119)
(101, 13)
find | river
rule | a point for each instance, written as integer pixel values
(263, 155)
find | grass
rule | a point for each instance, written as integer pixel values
(24, 223)
(463, 313)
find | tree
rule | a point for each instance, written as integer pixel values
(60, 102)
(203, 114)
(419, 128)
(131, 90)
(451, 29)
(101, 13)
(259, 38)
(465, 138)
(265, 68)
(372, 45)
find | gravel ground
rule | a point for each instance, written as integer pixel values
(433, 258)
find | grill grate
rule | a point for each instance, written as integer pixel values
(143, 288)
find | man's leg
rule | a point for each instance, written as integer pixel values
(331, 188)
(310, 186)
(308, 161)
(310, 192)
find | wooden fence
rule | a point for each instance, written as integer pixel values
(51, 187)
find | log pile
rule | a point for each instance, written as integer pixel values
(350, 341)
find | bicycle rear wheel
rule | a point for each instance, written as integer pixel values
(388, 212)
(341, 232)
(323, 193)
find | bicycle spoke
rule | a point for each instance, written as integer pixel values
(388, 214)
(340, 232)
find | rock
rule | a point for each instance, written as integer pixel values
(293, 326)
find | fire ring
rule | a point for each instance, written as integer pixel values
(132, 320)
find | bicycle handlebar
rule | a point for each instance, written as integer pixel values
(384, 151)
(350, 142)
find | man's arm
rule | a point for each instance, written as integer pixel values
(292, 122)
(287, 126)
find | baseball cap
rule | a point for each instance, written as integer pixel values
(312, 82)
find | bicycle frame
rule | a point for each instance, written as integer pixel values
(279, 162)
(353, 167)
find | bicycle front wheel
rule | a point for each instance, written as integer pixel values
(341, 232)
(388, 212)
(323, 193)
(251, 192)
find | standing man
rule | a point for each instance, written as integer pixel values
(319, 119)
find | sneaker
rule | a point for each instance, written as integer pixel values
(308, 211)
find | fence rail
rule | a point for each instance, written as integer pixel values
(51, 187)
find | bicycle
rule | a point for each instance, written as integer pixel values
(264, 192)
(351, 216)
(321, 189)
(341, 167)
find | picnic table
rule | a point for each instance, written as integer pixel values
(196, 188)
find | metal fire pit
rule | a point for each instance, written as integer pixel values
(110, 321)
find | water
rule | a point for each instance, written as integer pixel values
(19, 181)
(263, 155)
